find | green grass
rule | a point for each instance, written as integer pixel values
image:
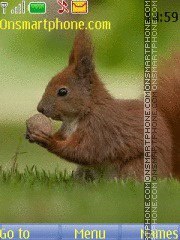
(35, 187)
(36, 195)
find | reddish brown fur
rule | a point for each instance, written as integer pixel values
(98, 130)
(169, 104)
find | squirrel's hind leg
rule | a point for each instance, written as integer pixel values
(85, 173)
(88, 173)
(133, 169)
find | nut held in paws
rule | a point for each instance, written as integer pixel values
(38, 122)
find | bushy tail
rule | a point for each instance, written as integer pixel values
(169, 102)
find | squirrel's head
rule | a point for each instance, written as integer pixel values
(68, 94)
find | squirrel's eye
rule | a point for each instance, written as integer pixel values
(62, 92)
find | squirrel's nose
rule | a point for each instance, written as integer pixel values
(40, 108)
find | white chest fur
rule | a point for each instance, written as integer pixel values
(69, 127)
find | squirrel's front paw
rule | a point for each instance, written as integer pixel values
(41, 138)
(28, 136)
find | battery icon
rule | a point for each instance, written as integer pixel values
(37, 7)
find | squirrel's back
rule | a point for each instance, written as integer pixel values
(169, 103)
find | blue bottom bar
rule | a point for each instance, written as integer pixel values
(88, 231)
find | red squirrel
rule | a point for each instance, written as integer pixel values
(102, 133)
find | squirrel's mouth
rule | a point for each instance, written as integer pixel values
(56, 118)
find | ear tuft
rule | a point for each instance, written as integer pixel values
(71, 58)
(82, 53)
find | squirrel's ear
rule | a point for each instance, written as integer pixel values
(84, 66)
(82, 54)
(71, 57)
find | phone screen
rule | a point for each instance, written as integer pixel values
(89, 119)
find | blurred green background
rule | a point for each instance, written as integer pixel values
(28, 60)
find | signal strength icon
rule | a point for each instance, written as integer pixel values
(4, 5)
(20, 9)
